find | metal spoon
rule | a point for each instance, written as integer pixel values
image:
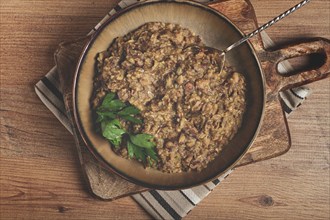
(250, 35)
(265, 26)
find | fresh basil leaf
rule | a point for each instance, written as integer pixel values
(132, 119)
(130, 110)
(142, 140)
(108, 98)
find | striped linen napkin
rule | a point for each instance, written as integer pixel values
(159, 204)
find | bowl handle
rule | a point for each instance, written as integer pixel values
(271, 59)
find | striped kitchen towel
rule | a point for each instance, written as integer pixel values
(159, 204)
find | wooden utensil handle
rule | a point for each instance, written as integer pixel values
(316, 46)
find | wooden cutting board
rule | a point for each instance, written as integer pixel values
(273, 139)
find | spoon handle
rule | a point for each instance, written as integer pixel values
(267, 25)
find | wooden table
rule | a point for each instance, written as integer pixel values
(40, 176)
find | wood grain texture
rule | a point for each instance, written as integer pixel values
(273, 139)
(40, 176)
(101, 183)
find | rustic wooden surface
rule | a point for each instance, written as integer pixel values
(40, 176)
(100, 182)
(273, 139)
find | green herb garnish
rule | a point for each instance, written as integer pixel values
(112, 108)
(112, 131)
(141, 153)
(132, 119)
(130, 110)
(139, 146)
(108, 98)
(142, 140)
